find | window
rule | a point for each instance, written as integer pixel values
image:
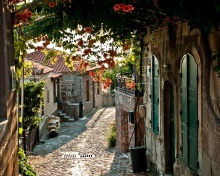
(42, 110)
(54, 91)
(87, 90)
(155, 95)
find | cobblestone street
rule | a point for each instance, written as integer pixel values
(85, 136)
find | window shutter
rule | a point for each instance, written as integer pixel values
(155, 95)
(189, 114)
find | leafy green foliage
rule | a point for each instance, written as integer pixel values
(200, 14)
(98, 14)
(24, 168)
(112, 136)
(33, 97)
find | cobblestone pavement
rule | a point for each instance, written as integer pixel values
(85, 136)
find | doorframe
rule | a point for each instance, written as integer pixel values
(167, 127)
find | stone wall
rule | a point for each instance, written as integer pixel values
(126, 136)
(170, 50)
(95, 100)
(73, 90)
(108, 99)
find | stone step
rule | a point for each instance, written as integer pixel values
(64, 117)
(61, 113)
(67, 117)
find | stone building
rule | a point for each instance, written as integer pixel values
(182, 102)
(77, 94)
(129, 125)
(50, 104)
(8, 117)
(180, 107)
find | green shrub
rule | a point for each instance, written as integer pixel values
(24, 168)
(112, 136)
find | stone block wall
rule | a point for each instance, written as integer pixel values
(169, 57)
(43, 127)
(108, 99)
(126, 136)
(87, 105)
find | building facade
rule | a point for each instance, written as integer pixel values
(182, 101)
(50, 102)
(129, 119)
(77, 93)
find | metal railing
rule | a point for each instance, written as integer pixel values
(121, 80)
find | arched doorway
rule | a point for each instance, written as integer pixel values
(169, 128)
(189, 111)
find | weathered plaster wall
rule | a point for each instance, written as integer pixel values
(126, 136)
(169, 55)
(50, 106)
(95, 101)
(124, 104)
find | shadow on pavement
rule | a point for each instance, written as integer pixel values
(68, 132)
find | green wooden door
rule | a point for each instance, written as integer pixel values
(155, 95)
(189, 112)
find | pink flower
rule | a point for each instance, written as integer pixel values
(131, 7)
(117, 7)
(121, 6)
(126, 8)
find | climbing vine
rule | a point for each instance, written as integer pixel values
(24, 167)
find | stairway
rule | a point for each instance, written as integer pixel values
(64, 117)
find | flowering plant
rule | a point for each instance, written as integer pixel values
(130, 84)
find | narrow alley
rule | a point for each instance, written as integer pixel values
(88, 136)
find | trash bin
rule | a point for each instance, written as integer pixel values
(138, 159)
(80, 109)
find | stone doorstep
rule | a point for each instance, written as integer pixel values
(61, 113)
(64, 117)
(68, 118)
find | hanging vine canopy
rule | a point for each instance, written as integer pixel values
(59, 15)
(119, 20)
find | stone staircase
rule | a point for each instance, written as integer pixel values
(64, 117)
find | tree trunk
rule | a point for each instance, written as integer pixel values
(205, 48)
